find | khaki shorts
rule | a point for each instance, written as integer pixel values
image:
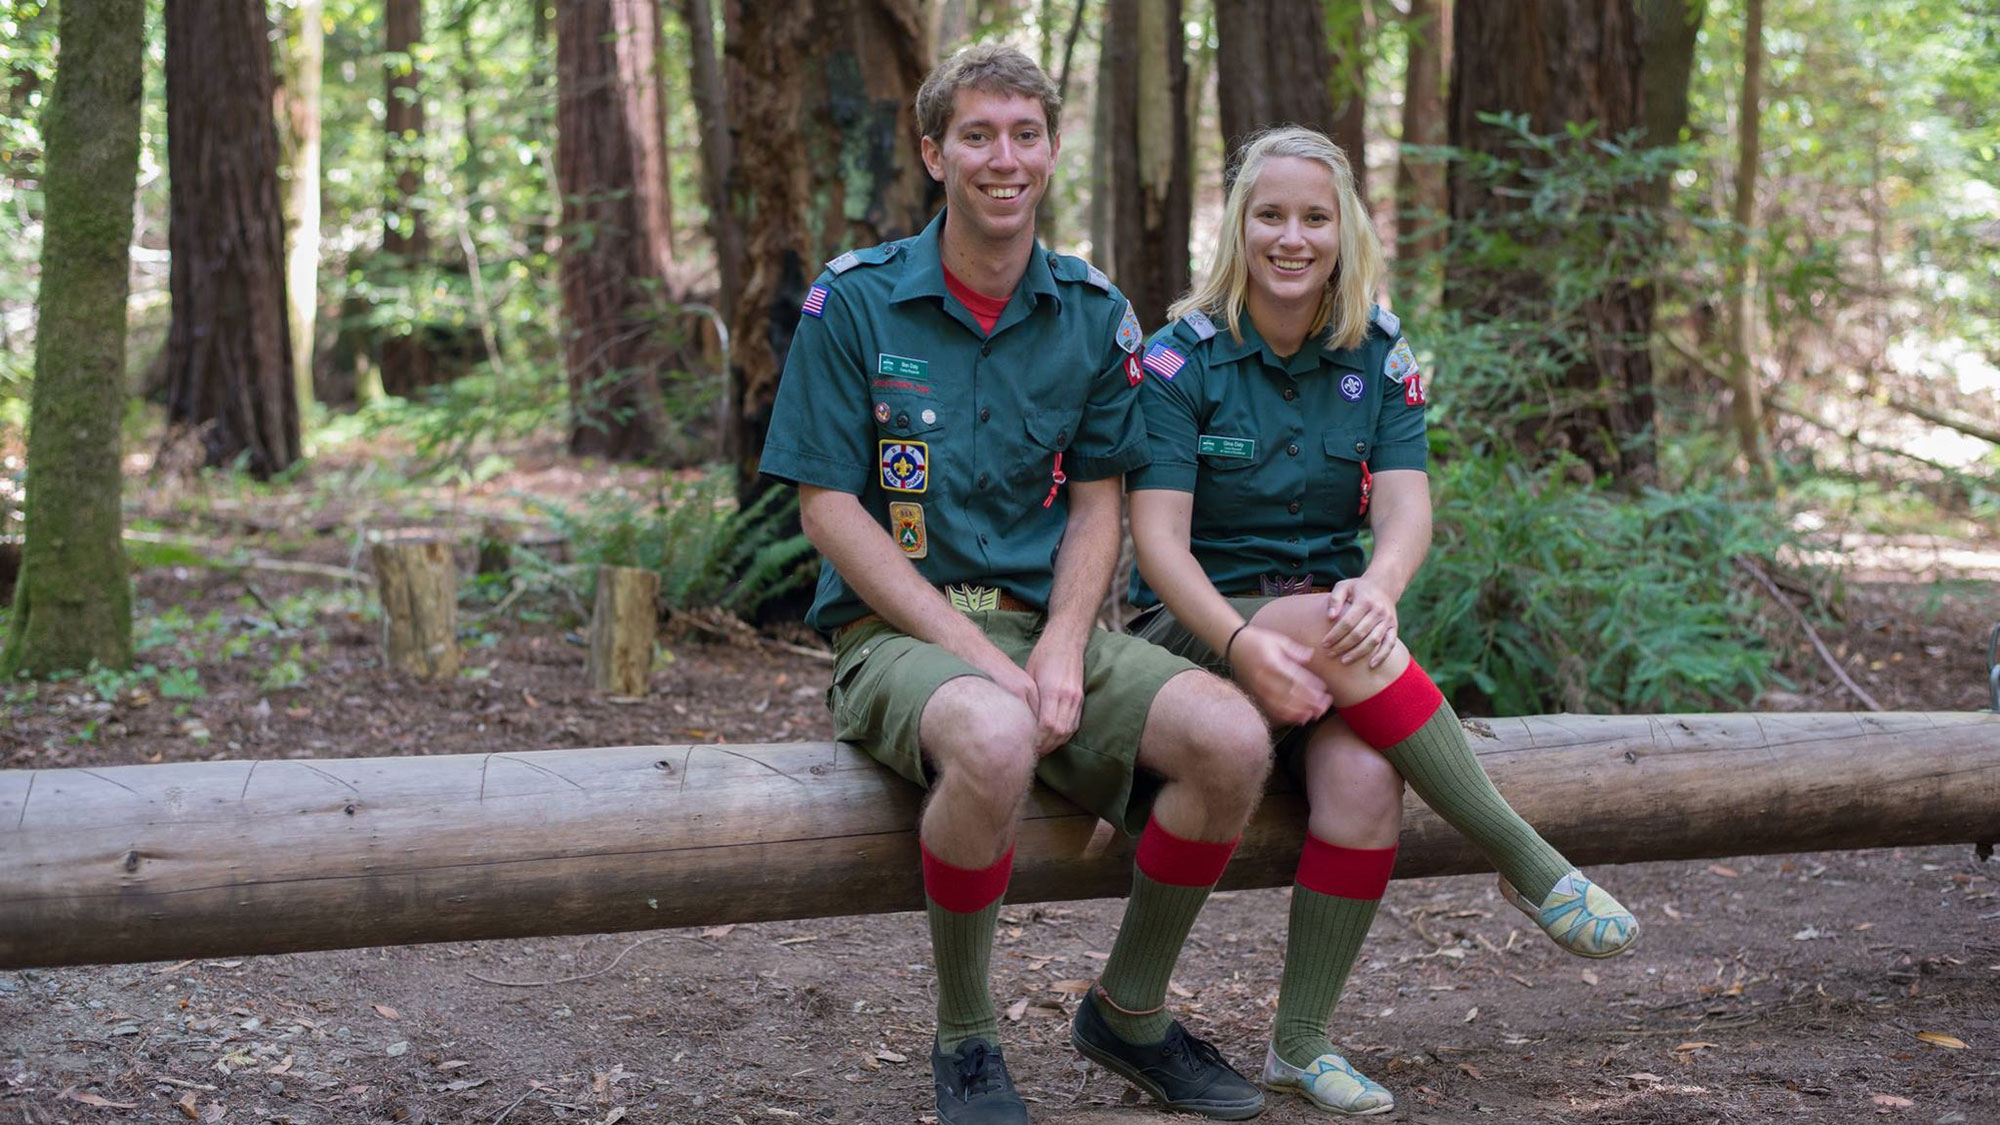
(1158, 626)
(883, 678)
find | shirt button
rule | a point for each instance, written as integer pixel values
(1062, 438)
(982, 483)
(1291, 393)
(986, 349)
(1293, 507)
(982, 541)
(1293, 449)
(986, 414)
(1361, 447)
(902, 420)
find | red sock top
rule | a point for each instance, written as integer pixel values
(965, 890)
(1166, 858)
(1394, 713)
(1358, 873)
(986, 310)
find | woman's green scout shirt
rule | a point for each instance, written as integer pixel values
(949, 436)
(1274, 449)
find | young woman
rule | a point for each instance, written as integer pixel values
(1284, 411)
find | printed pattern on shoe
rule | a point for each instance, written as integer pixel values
(1182, 1072)
(1580, 916)
(1329, 1083)
(974, 1088)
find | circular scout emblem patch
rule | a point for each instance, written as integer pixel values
(930, 416)
(882, 413)
(1350, 387)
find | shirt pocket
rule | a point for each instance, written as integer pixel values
(1050, 431)
(908, 430)
(1337, 485)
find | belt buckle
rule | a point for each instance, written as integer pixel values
(1284, 585)
(967, 598)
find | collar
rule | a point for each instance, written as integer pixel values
(1226, 349)
(925, 277)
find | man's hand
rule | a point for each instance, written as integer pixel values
(1056, 673)
(1274, 669)
(1361, 618)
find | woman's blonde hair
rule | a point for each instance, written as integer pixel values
(1350, 291)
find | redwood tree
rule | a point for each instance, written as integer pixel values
(1271, 68)
(73, 602)
(1558, 62)
(614, 259)
(229, 352)
(825, 160)
(1420, 196)
(406, 364)
(1143, 79)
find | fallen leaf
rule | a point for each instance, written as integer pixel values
(718, 931)
(176, 967)
(886, 1055)
(1725, 872)
(1471, 1071)
(453, 1064)
(1017, 1009)
(1643, 1076)
(93, 1099)
(1696, 1046)
(186, 1106)
(798, 940)
(1940, 1039)
(1808, 934)
(213, 1113)
(282, 1067)
(1472, 1014)
(616, 1115)
(529, 699)
(386, 1012)
(1860, 926)
(1070, 987)
(1891, 1101)
(1669, 910)
(1589, 978)
(1175, 988)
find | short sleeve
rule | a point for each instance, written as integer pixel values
(1400, 441)
(1173, 420)
(820, 432)
(1111, 439)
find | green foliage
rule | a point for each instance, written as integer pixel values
(1544, 595)
(706, 551)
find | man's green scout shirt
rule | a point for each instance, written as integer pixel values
(1272, 448)
(949, 436)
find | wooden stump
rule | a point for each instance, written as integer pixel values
(623, 623)
(419, 589)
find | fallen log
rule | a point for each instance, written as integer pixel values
(137, 863)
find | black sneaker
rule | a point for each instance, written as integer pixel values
(973, 1087)
(1184, 1074)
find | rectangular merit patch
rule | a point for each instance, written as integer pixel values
(906, 523)
(1215, 445)
(906, 465)
(902, 366)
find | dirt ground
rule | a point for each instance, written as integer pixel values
(1832, 987)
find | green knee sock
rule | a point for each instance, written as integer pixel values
(1439, 764)
(962, 947)
(1158, 917)
(1320, 947)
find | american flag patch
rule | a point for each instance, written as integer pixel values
(1164, 361)
(815, 301)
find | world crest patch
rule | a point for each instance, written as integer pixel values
(906, 465)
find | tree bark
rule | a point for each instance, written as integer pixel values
(1420, 194)
(205, 859)
(717, 153)
(1350, 29)
(1670, 28)
(1558, 62)
(73, 599)
(1272, 67)
(1746, 402)
(624, 620)
(826, 160)
(1143, 74)
(407, 365)
(418, 585)
(614, 272)
(301, 101)
(229, 352)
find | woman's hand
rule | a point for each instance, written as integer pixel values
(1274, 669)
(1361, 621)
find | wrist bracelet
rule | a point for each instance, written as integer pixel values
(1232, 641)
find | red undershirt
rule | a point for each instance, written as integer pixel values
(986, 310)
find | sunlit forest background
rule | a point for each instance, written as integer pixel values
(1704, 289)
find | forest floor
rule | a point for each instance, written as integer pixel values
(1830, 987)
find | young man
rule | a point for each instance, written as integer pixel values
(956, 411)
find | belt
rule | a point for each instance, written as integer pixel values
(965, 598)
(1283, 585)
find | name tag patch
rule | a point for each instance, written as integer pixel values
(901, 366)
(1216, 445)
(906, 465)
(906, 522)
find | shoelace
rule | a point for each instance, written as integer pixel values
(973, 1076)
(1195, 1052)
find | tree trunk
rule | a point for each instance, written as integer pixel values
(1558, 62)
(826, 160)
(73, 598)
(1347, 80)
(624, 621)
(418, 585)
(1143, 74)
(1746, 406)
(1272, 67)
(712, 111)
(301, 101)
(1670, 29)
(609, 138)
(229, 352)
(207, 859)
(1420, 196)
(407, 365)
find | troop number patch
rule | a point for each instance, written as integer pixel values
(906, 465)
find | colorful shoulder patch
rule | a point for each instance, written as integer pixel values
(815, 303)
(1130, 335)
(1402, 362)
(1164, 361)
(906, 465)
